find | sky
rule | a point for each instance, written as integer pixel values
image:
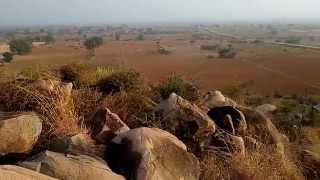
(47, 12)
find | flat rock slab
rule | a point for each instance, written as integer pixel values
(71, 167)
(8, 172)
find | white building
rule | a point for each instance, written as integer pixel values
(38, 44)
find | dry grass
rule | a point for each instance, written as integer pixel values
(129, 105)
(263, 163)
(59, 117)
(86, 102)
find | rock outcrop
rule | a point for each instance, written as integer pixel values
(215, 99)
(70, 167)
(151, 154)
(78, 144)
(175, 107)
(19, 132)
(229, 119)
(9, 172)
(261, 126)
(106, 125)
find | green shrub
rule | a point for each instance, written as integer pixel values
(120, 81)
(7, 57)
(176, 84)
(140, 37)
(293, 40)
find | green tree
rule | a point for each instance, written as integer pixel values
(49, 38)
(7, 57)
(140, 37)
(20, 46)
(92, 43)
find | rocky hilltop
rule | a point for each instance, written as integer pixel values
(48, 132)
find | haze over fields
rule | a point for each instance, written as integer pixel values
(45, 12)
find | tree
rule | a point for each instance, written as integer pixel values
(20, 46)
(49, 38)
(92, 43)
(140, 37)
(7, 57)
(293, 40)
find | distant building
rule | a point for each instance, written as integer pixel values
(4, 48)
(38, 44)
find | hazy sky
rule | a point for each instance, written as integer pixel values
(38, 12)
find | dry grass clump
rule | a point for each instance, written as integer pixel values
(72, 72)
(262, 163)
(58, 114)
(86, 101)
(129, 105)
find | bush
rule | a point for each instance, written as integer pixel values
(176, 84)
(92, 77)
(72, 72)
(20, 46)
(209, 47)
(293, 40)
(140, 37)
(7, 57)
(86, 101)
(164, 51)
(227, 52)
(130, 106)
(120, 81)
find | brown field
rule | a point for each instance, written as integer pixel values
(269, 68)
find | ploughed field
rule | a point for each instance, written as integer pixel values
(265, 69)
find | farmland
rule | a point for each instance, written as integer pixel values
(265, 68)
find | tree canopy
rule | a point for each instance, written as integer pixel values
(93, 42)
(20, 46)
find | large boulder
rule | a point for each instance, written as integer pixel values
(78, 144)
(19, 132)
(151, 154)
(175, 107)
(9, 172)
(70, 167)
(224, 112)
(105, 125)
(262, 127)
(215, 99)
(229, 119)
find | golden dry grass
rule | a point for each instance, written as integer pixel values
(262, 163)
(58, 114)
